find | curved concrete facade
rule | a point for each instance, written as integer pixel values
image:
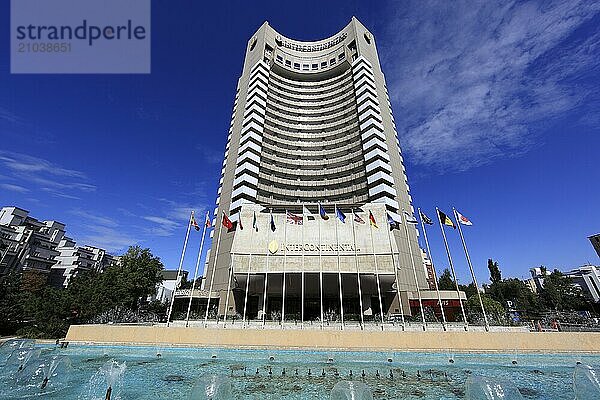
(312, 124)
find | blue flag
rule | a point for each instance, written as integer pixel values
(340, 215)
(323, 213)
(393, 223)
(272, 223)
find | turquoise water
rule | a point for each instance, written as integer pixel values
(78, 373)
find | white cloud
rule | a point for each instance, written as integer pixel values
(470, 79)
(48, 176)
(14, 188)
(91, 218)
(110, 239)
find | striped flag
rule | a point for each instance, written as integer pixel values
(207, 222)
(409, 218)
(294, 219)
(358, 219)
(308, 214)
(372, 220)
(445, 220)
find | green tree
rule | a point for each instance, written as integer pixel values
(445, 281)
(11, 304)
(494, 310)
(560, 294)
(495, 273)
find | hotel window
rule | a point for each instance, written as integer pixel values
(305, 67)
(315, 66)
(324, 64)
(296, 66)
(279, 58)
(288, 63)
(341, 56)
(332, 61)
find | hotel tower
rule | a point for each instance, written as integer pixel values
(313, 179)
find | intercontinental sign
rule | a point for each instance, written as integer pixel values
(314, 247)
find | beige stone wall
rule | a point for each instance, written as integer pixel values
(508, 342)
(297, 246)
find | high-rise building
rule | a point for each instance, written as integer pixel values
(595, 241)
(312, 128)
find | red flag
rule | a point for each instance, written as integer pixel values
(207, 223)
(227, 222)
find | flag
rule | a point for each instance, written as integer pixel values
(207, 222)
(240, 221)
(462, 219)
(409, 218)
(393, 223)
(273, 227)
(426, 220)
(194, 223)
(372, 220)
(254, 224)
(357, 218)
(445, 220)
(294, 219)
(227, 222)
(323, 213)
(308, 214)
(340, 215)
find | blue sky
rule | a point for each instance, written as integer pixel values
(497, 107)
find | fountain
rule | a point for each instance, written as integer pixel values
(481, 388)
(211, 387)
(586, 382)
(113, 372)
(350, 390)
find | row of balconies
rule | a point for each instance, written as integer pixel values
(307, 84)
(307, 145)
(331, 94)
(328, 173)
(312, 119)
(346, 79)
(346, 101)
(268, 189)
(306, 105)
(316, 136)
(351, 179)
(301, 153)
(295, 163)
(353, 198)
(338, 124)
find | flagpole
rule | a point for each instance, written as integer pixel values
(285, 223)
(304, 219)
(254, 222)
(212, 275)
(187, 318)
(247, 288)
(412, 260)
(320, 266)
(437, 289)
(462, 308)
(337, 243)
(187, 235)
(462, 238)
(264, 316)
(362, 322)
(228, 287)
(397, 281)
(376, 273)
